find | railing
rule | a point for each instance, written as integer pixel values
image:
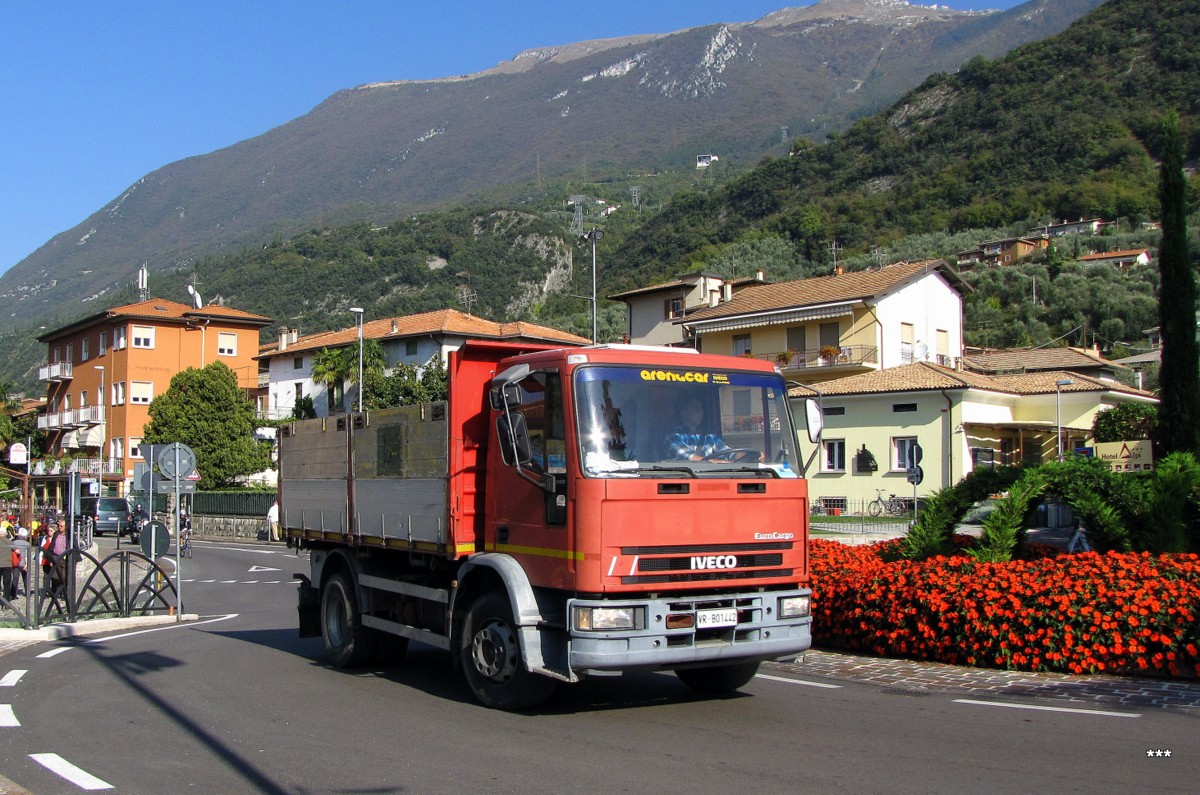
(58, 371)
(847, 355)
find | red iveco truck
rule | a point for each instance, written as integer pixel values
(543, 525)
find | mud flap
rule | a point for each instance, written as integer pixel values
(309, 608)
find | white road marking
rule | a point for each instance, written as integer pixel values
(46, 655)
(249, 582)
(76, 775)
(8, 718)
(254, 569)
(1075, 710)
(804, 682)
(107, 638)
(11, 678)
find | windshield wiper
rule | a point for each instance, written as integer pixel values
(756, 471)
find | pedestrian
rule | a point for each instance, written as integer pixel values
(9, 558)
(54, 557)
(20, 558)
(273, 520)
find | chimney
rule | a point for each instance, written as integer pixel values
(726, 291)
(395, 326)
(760, 275)
(838, 270)
(293, 335)
(283, 338)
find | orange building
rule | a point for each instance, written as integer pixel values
(102, 372)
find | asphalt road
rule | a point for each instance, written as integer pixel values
(236, 703)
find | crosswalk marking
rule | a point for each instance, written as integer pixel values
(8, 718)
(72, 773)
(11, 678)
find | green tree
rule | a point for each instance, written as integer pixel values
(334, 367)
(205, 409)
(1126, 422)
(406, 385)
(1179, 418)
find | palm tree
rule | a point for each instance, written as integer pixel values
(333, 367)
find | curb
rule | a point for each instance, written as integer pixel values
(79, 628)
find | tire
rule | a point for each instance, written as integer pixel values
(490, 653)
(348, 644)
(874, 508)
(718, 678)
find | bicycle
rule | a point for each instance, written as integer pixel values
(185, 542)
(893, 505)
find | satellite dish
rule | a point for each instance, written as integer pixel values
(921, 351)
(197, 302)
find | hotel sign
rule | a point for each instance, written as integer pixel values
(1126, 456)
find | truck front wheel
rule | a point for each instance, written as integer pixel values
(347, 642)
(718, 678)
(491, 658)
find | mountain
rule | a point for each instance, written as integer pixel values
(1067, 127)
(640, 104)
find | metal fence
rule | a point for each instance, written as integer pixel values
(842, 515)
(232, 503)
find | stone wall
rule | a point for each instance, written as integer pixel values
(230, 527)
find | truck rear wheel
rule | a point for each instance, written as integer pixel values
(718, 678)
(347, 642)
(491, 658)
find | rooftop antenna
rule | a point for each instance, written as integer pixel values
(635, 193)
(467, 296)
(784, 131)
(143, 283)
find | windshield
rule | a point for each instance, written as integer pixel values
(634, 421)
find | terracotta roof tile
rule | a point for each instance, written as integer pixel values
(1030, 359)
(925, 376)
(442, 321)
(855, 286)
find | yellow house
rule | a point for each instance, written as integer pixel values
(832, 326)
(875, 422)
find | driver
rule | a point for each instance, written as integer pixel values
(688, 440)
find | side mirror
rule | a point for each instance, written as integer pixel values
(513, 435)
(505, 394)
(815, 418)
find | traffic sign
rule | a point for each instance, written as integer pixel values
(915, 475)
(175, 459)
(155, 539)
(193, 475)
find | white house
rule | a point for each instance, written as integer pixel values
(410, 339)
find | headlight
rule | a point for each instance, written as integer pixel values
(605, 618)
(793, 606)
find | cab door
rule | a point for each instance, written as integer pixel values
(527, 515)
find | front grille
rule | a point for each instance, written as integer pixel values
(743, 562)
(700, 549)
(704, 576)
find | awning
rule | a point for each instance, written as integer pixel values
(770, 318)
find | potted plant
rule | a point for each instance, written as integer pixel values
(829, 353)
(785, 358)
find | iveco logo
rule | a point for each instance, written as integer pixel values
(714, 562)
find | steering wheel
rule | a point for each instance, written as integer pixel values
(736, 455)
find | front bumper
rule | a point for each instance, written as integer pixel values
(758, 635)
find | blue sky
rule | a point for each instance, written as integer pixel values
(93, 96)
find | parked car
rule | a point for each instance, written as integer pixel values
(107, 514)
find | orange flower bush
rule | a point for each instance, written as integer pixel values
(1116, 613)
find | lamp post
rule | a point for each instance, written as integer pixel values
(1058, 385)
(358, 310)
(593, 235)
(103, 426)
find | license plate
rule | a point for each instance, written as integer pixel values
(723, 617)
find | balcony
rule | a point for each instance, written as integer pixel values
(58, 371)
(851, 358)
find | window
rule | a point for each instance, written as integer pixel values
(298, 363)
(830, 334)
(118, 393)
(143, 336)
(833, 455)
(410, 348)
(116, 449)
(103, 343)
(226, 343)
(835, 411)
(902, 407)
(796, 339)
(70, 352)
(141, 392)
(83, 399)
(901, 445)
(907, 336)
(83, 349)
(672, 308)
(119, 338)
(741, 344)
(943, 347)
(57, 355)
(135, 447)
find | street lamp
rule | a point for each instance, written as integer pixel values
(593, 235)
(1058, 385)
(358, 310)
(103, 426)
